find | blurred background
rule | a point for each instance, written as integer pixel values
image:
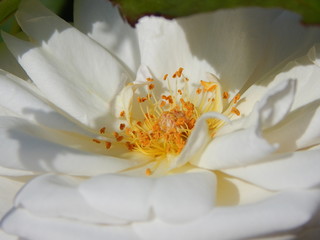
(9, 24)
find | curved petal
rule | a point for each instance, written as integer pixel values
(22, 99)
(59, 197)
(276, 104)
(232, 191)
(9, 172)
(286, 40)
(238, 45)
(117, 189)
(174, 198)
(283, 171)
(242, 142)
(32, 148)
(304, 69)
(184, 197)
(102, 22)
(300, 129)
(5, 236)
(164, 48)
(235, 149)
(279, 214)
(231, 41)
(8, 189)
(198, 140)
(24, 224)
(70, 61)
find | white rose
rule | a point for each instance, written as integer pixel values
(226, 146)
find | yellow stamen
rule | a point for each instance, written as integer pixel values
(167, 120)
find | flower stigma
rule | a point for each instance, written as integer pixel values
(167, 120)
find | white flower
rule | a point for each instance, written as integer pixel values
(242, 165)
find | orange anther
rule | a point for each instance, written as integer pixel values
(115, 134)
(225, 95)
(128, 131)
(148, 172)
(180, 121)
(235, 111)
(236, 98)
(198, 91)
(119, 139)
(191, 123)
(122, 126)
(150, 80)
(179, 91)
(102, 130)
(142, 99)
(179, 72)
(108, 145)
(162, 103)
(151, 86)
(208, 86)
(130, 146)
(122, 114)
(165, 77)
(96, 140)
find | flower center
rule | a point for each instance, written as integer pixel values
(167, 121)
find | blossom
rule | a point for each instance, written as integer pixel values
(178, 129)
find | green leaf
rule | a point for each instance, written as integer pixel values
(132, 10)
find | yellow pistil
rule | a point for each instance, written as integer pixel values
(168, 120)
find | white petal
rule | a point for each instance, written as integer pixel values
(102, 22)
(241, 142)
(273, 102)
(224, 40)
(164, 48)
(198, 140)
(305, 70)
(286, 40)
(119, 196)
(238, 45)
(82, 55)
(9, 172)
(81, 77)
(28, 147)
(184, 197)
(283, 171)
(8, 189)
(5, 236)
(174, 198)
(28, 226)
(300, 129)
(279, 214)
(236, 149)
(58, 197)
(21, 98)
(276, 104)
(233, 191)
